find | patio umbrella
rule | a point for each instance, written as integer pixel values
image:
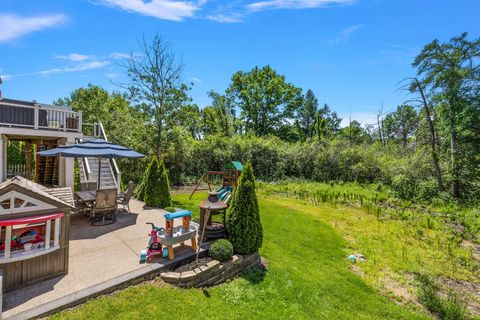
(92, 148)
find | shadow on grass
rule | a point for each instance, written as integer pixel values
(206, 293)
(256, 275)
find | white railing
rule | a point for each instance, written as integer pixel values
(39, 117)
(16, 170)
(96, 130)
(116, 174)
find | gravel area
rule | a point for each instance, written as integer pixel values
(190, 266)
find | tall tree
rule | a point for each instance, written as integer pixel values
(332, 119)
(416, 86)
(221, 114)
(307, 113)
(401, 124)
(450, 70)
(156, 82)
(266, 100)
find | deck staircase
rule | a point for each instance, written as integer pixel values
(46, 169)
(107, 178)
(88, 167)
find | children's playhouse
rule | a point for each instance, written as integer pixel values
(34, 226)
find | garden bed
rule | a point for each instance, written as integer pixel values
(213, 272)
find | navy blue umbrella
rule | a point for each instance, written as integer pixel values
(92, 148)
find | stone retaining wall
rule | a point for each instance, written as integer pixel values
(215, 272)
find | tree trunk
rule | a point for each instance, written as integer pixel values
(454, 158)
(433, 137)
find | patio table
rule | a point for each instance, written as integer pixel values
(86, 196)
(90, 195)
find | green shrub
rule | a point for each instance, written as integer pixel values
(170, 209)
(156, 186)
(445, 308)
(164, 187)
(140, 189)
(221, 250)
(244, 226)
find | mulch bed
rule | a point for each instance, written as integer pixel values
(190, 266)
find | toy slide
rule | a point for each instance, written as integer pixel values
(225, 194)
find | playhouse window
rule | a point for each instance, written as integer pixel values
(23, 238)
(13, 202)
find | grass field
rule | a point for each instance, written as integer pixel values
(308, 278)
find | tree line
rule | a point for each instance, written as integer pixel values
(425, 148)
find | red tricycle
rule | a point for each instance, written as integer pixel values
(154, 246)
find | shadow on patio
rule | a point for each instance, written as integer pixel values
(81, 229)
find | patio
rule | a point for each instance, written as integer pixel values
(98, 255)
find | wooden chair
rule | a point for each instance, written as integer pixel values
(88, 185)
(125, 199)
(105, 207)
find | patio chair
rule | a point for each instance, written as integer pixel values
(88, 185)
(105, 207)
(125, 199)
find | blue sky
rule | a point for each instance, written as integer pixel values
(351, 53)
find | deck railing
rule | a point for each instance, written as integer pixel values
(16, 170)
(39, 117)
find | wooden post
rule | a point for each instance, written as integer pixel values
(171, 255)
(56, 235)
(194, 244)
(169, 227)
(47, 233)
(8, 241)
(186, 222)
(35, 118)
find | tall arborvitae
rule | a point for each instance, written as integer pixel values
(140, 190)
(165, 199)
(150, 181)
(244, 226)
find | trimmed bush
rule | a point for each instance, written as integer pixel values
(140, 189)
(156, 188)
(170, 209)
(221, 250)
(164, 186)
(244, 226)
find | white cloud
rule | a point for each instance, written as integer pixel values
(112, 75)
(76, 68)
(75, 57)
(363, 117)
(161, 9)
(119, 55)
(226, 18)
(345, 35)
(14, 26)
(196, 80)
(295, 4)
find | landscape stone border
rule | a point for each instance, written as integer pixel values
(215, 272)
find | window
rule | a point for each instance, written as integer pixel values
(13, 202)
(24, 238)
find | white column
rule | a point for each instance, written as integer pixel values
(8, 241)
(56, 235)
(48, 231)
(69, 166)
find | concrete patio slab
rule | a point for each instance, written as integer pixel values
(102, 259)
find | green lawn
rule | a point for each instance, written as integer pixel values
(308, 278)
